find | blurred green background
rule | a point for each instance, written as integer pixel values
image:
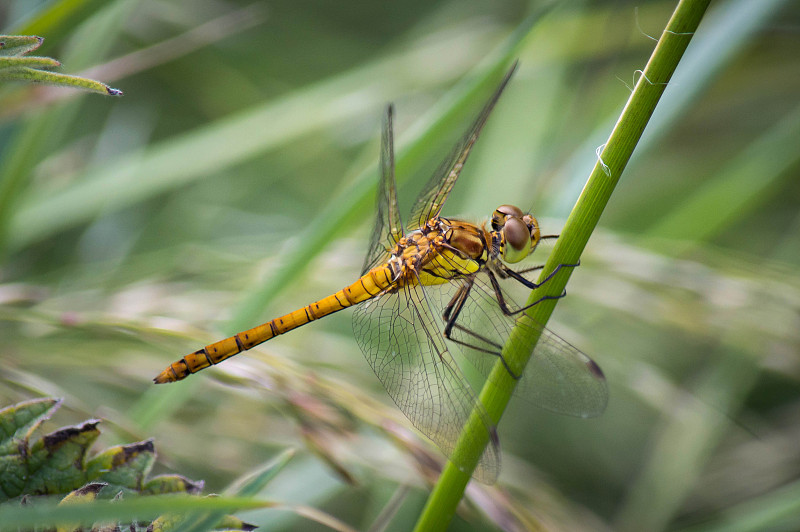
(137, 229)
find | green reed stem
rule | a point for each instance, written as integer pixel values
(447, 493)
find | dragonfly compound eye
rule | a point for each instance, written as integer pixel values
(517, 238)
(502, 213)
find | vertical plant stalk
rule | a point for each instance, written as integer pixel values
(447, 493)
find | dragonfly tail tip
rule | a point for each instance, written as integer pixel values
(161, 378)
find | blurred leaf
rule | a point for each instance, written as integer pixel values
(389, 511)
(58, 18)
(257, 480)
(733, 193)
(139, 508)
(779, 510)
(685, 441)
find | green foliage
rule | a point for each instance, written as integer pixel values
(57, 465)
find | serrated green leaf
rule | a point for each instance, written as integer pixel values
(17, 423)
(123, 466)
(56, 463)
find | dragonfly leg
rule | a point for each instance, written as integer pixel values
(451, 313)
(454, 307)
(517, 276)
(531, 269)
(501, 300)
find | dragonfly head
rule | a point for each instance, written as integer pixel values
(519, 233)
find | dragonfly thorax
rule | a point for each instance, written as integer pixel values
(441, 250)
(514, 233)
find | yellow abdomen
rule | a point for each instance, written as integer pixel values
(368, 286)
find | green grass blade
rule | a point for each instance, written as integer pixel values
(59, 19)
(51, 513)
(497, 392)
(686, 440)
(256, 480)
(733, 192)
(777, 510)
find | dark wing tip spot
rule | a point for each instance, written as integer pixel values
(595, 369)
(495, 439)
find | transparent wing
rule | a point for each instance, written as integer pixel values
(431, 200)
(558, 377)
(388, 227)
(404, 344)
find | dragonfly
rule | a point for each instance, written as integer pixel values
(434, 288)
